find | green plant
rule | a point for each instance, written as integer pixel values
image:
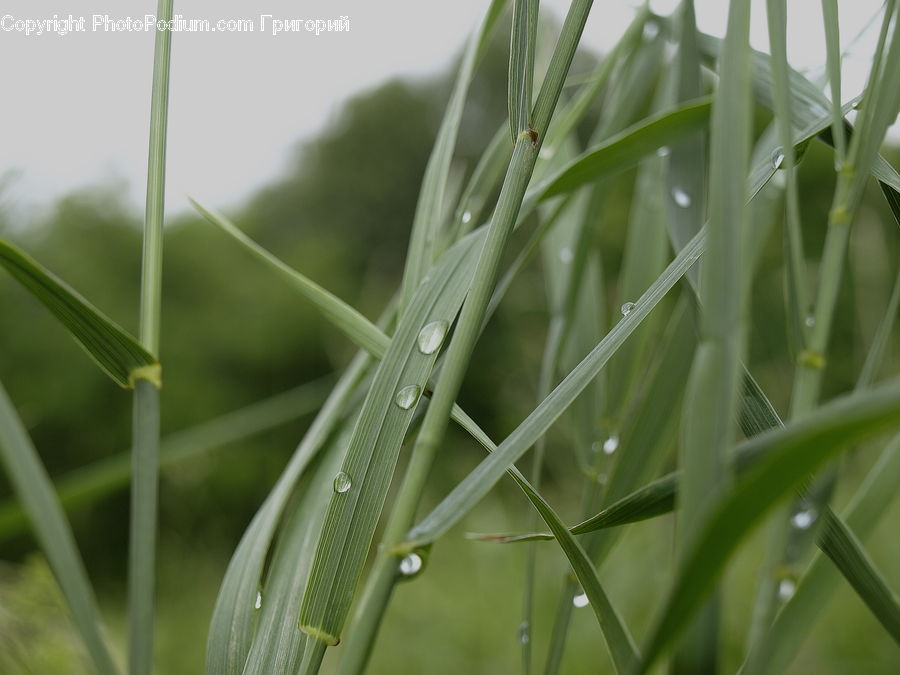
(667, 382)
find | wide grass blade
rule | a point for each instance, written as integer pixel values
(234, 618)
(35, 491)
(785, 457)
(90, 484)
(708, 427)
(430, 207)
(626, 148)
(367, 470)
(278, 645)
(117, 353)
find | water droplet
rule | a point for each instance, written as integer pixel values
(342, 482)
(611, 444)
(546, 153)
(786, 589)
(626, 308)
(466, 216)
(682, 198)
(651, 30)
(523, 635)
(566, 255)
(581, 600)
(258, 603)
(804, 519)
(408, 396)
(411, 565)
(777, 157)
(663, 151)
(431, 337)
(810, 320)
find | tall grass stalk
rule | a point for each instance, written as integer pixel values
(146, 430)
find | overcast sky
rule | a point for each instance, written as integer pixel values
(76, 107)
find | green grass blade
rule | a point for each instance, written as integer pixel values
(833, 62)
(233, 621)
(848, 555)
(430, 206)
(686, 162)
(485, 178)
(774, 652)
(117, 353)
(714, 381)
(785, 458)
(278, 646)
(797, 293)
(145, 431)
(31, 483)
(523, 42)
(387, 412)
(344, 317)
(626, 148)
(618, 639)
(807, 101)
(90, 484)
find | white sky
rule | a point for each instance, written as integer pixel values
(75, 109)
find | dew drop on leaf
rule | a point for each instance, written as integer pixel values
(342, 482)
(408, 396)
(803, 519)
(431, 337)
(682, 198)
(777, 157)
(611, 444)
(786, 588)
(411, 565)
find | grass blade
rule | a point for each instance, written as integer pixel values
(785, 458)
(35, 491)
(233, 621)
(626, 148)
(776, 649)
(714, 381)
(848, 555)
(278, 646)
(117, 353)
(523, 41)
(344, 317)
(145, 431)
(374, 447)
(427, 218)
(686, 163)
